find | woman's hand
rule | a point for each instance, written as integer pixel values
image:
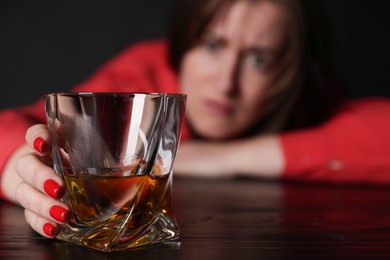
(38, 188)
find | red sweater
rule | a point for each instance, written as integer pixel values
(354, 146)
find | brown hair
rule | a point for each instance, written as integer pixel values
(307, 93)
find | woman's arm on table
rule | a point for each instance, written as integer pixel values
(352, 147)
(259, 156)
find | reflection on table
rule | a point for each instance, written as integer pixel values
(241, 219)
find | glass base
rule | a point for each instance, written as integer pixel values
(163, 228)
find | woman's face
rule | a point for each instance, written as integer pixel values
(228, 72)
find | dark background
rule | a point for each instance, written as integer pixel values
(52, 45)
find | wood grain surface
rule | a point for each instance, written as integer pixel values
(241, 219)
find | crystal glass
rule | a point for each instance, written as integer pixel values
(115, 152)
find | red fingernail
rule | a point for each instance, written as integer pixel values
(38, 144)
(59, 213)
(53, 189)
(50, 230)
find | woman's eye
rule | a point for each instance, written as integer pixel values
(211, 46)
(257, 61)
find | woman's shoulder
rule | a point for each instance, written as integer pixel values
(362, 112)
(149, 57)
(144, 65)
(152, 51)
(368, 104)
(145, 47)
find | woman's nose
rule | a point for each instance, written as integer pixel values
(227, 77)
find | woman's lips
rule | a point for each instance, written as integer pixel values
(218, 107)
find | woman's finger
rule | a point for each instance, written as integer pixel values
(41, 205)
(39, 139)
(41, 225)
(34, 172)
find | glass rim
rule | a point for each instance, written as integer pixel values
(113, 93)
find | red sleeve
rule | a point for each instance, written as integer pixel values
(140, 68)
(352, 147)
(13, 126)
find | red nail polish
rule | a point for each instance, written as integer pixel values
(59, 213)
(50, 230)
(38, 144)
(53, 189)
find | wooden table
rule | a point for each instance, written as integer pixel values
(242, 219)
